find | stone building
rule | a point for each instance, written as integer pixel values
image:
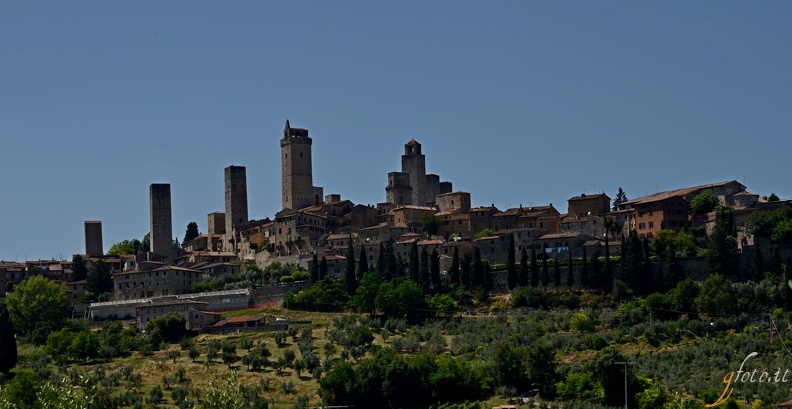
(585, 205)
(160, 216)
(236, 204)
(93, 239)
(412, 186)
(151, 280)
(297, 186)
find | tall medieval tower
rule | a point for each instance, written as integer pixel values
(160, 217)
(236, 203)
(414, 163)
(296, 170)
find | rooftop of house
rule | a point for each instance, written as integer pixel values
(677, 193)
(589, 197)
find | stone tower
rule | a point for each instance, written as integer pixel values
(296, 170)
(160, 216)
(93, 239)
(414, 163)
(399, 191)
(236, 205)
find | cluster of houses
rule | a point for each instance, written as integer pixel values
(150, 284)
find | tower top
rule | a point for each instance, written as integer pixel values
(289, 132)
(412, 147)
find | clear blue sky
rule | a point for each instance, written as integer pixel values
(516, 102)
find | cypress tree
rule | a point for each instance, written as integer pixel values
(584, 271)
(545, 272)
(534, 268)
(570, 281)
(511, 264)
(775, 263)
(453, 272)
(362, 263)
(522, 278)
(487, 276)
(381, 260)
(323, 268)
(434, 270)
(465, 276)
(79, 270)
(478, 269)
(391, 264)
(556, 273)
(399, 267)
(349, 276)
(758, 263)
(423, 278)
(8, 345)
(314, 269)
(608, 271)
(788, 285)
(414, 262)
(593, 279)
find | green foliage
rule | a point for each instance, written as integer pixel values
(79, 270)
(350, 281)
(430, 224)
(84, 346)
(37, 304)
(511, 264)
(773, 198)
(8, 344)
(192, 232)
(621, 197)
(398, 298)
(762, 223)
(485, 232)
(326, 295)
(722, 246)
(99, 280)
(716, 295)
(782, 233)
(528, 297)
(704, 203)
(364, 299)
(581, 322)
(124, 247)
(170, 327)
(683, 243)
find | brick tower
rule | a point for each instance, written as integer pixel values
(236, 204)
(296, 170)
(160, 216)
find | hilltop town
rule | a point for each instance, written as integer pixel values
(425, 286)
(312, 226)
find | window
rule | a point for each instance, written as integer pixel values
(641, 226)
(651, 225)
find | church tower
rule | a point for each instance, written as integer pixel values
(296, 170)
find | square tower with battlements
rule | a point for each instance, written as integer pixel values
(297, 187)
(160, 216)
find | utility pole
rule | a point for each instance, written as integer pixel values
(625, 379)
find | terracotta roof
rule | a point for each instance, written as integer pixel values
(562, 235)
(675, 193)
(586, 197)
(427, 208)
(154, 303)
(235, 320)
(341, 236)
(412, 142)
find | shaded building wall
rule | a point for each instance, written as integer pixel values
(160, 217)
(93, 239)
